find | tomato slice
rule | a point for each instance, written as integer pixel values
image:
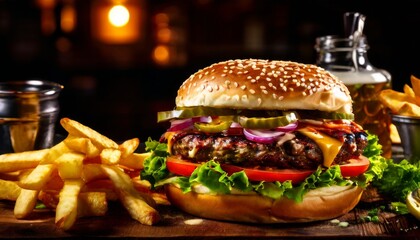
(180, 167)
(270, 175)
(184, 168)
(356, 167)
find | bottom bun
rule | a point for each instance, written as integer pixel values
(319, 204)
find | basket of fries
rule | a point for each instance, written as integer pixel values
(405, 114)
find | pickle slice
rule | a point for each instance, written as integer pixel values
(271, 117)
(213, 127)
(194, 112)
(269, 122)
(337, 115)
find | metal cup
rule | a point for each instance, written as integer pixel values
(409, 130)
(28, 114)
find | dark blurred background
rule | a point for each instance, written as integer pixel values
(116, 77)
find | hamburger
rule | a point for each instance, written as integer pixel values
(260, 141)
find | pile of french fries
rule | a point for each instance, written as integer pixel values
(405, 103)
(78, 176)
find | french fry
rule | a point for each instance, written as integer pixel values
(38, 177)
(55, 152)
(11, 176)
(110, 156)
(88, 203)
(102, 185)
(411, 95)
(409, 109)
(70, 165)
(393, 99)
(25, 203)
(415, 83)
(128, 147)
(144, 186)
(135, 160)
(83, 145)
(137, 204)
(54, 183)
(66, 211)
(92, 204)
(77, 129)
(92, 172)
(10, 162)
(9, 190)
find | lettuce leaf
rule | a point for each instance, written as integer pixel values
(398, 180)
(392, 179)
(155, 165)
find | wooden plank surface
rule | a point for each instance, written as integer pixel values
(175, 224)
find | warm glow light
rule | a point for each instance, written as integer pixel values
(68, 18)
(118, 15)
(164, 35)
(161, 54)
(117, 23)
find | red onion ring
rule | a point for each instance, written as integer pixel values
(262, 136)
(177, 125)
(180, 124)
(288, 128)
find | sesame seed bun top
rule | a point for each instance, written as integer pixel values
(265, 85)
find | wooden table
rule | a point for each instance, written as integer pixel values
(175, 224)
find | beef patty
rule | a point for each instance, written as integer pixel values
(294, 151)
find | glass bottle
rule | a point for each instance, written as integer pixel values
(346, 58)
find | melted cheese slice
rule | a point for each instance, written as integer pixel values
(329, 146)
(169, 136)
(170, 142)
